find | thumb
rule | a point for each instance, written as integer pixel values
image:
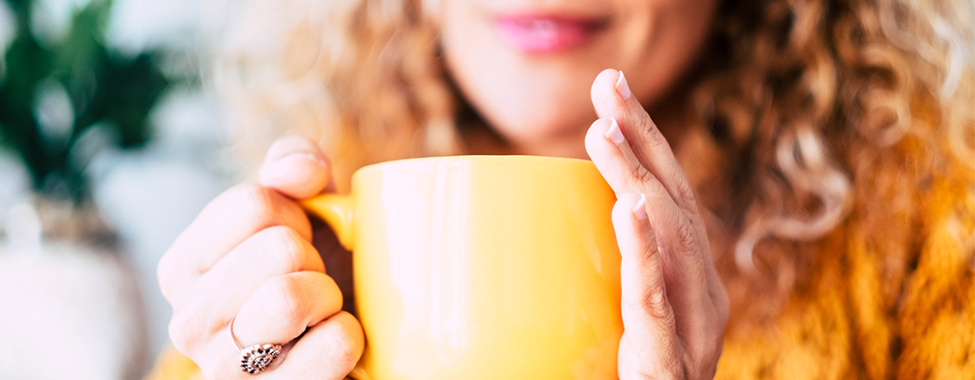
(296, 167)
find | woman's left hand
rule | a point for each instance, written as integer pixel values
(674, 307)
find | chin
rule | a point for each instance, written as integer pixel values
(537, 127)
(533, 103)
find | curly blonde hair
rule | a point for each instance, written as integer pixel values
(798, 103)
(818, 112)
(363, 77)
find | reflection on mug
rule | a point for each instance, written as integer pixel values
(482, 267)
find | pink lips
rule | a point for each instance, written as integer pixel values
(545, 34)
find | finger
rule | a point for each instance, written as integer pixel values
(225, 222)
(683, 253)
(204, 308)
(642, 277)
(329, 350)
(283, 307)
(296, 166)
(648, 144)
(611, 152)
(296, 300)
(613, 155)
(271, 252)
(612, 98)
(650, 344)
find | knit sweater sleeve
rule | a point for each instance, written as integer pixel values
(897, 304)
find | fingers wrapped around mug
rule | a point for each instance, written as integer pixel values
(294, 168)
(218, 294)
(247, 262)
(274, 251)
(674, 306)
(227, 221)
(271, 289)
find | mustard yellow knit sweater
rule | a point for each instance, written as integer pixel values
(897, 305)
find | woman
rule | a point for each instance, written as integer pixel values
(810, 162)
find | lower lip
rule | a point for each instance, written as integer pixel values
(541, 34)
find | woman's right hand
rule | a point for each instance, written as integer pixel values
(248, 258)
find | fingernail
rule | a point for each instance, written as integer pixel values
(293, 157)
(623, 88)
(286, 166)
(640, 210)
(614, 133)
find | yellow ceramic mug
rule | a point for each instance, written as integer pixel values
(482, 267)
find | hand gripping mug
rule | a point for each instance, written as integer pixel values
(482, 267)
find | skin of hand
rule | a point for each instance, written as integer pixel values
(674, 306)
(248, 258)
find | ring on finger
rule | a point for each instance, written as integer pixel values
(256, 358)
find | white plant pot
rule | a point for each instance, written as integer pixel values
(68, 311)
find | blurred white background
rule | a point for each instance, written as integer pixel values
(148, 195)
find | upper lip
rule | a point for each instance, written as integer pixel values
(589, 22)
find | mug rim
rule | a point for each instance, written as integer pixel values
(475, 157)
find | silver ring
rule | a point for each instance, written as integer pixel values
(256, 358)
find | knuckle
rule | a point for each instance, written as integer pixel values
(256, 201)
(285, 292)
(652, 134)
(342, 346)
(216, 320)
(684, 191)
(653, 302)
(183, 333)
(642, 175)
(656, 306)
(686, 239)
(675, 365)
(286, 246)
(343, 351)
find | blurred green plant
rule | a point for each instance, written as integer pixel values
(106, 91)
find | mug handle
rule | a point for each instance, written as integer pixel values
(337, 211)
